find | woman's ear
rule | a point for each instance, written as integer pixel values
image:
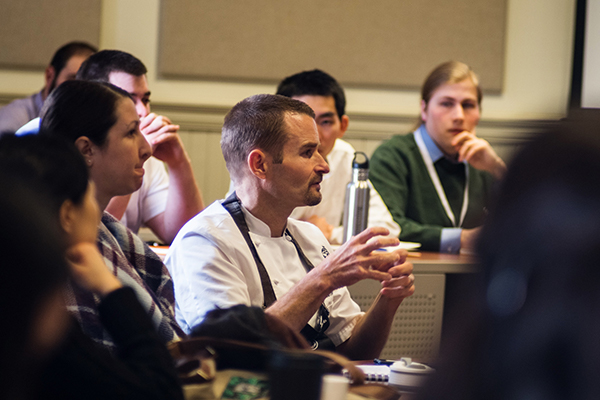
(86, 148)
(67, 216)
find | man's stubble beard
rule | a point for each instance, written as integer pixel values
(312, 198)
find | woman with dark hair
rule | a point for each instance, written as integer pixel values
(533, 325)
(100, 119)
(142, 367)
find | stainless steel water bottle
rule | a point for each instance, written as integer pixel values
(356, 209)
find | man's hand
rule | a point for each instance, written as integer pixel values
(89, 271)
(163, 137)
(401, 285)
(468, 237)
(371, 331)
(355, 260)
(322, 224)
(358, 259)
(478, 153)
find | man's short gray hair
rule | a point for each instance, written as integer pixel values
(257, 122)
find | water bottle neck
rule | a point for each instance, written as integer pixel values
(360, 174)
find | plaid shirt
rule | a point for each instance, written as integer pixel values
(136, 266)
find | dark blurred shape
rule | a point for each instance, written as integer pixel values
(531, 327)
(33, 270)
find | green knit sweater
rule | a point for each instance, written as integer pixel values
(399, 174)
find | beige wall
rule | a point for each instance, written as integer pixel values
(264, 40)
(536, 83)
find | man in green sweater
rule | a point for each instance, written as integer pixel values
(436, 181)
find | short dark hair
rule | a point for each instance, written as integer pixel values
(258, 122)
(54, 166)
(99, 66)
(80, 108)
(64, 54)
(314, 83)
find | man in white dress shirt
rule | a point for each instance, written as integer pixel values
(327, 99)
(245, 249)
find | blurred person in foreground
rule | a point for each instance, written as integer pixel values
(530, 329)
(31, 287)
(77, 367)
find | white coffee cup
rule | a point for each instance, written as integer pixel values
(334, 387)
(409, 375)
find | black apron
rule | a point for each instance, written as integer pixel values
(315, 336)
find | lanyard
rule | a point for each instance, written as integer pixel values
(438, 185)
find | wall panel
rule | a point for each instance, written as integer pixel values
(32, 30)
(378, 43)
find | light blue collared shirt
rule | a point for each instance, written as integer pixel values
(450, 238)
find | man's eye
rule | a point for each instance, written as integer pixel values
(146, 101)
(468, 105)
(447, 104)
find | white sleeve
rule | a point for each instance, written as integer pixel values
(155, 199)
(379, 215)
(204, 278)
(344, 313)
(337, 235)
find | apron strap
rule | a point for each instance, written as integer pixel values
(232, 204)
(316, 336)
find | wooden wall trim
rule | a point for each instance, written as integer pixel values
(362, 125)
(370, 126)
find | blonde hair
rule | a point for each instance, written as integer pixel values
(449, 72)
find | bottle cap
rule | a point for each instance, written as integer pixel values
(360, 160)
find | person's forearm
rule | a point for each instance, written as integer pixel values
(499, 169)
(371, 333)
(298, 305)
(379, 215)
(184, 199)
(144, 367)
